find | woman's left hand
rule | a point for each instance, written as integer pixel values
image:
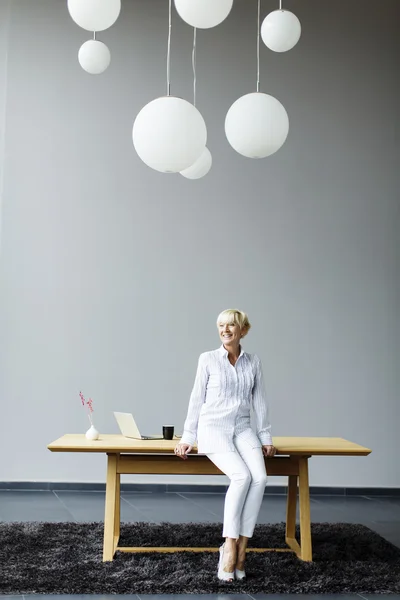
(269, 450)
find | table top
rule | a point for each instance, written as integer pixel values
(117, 443)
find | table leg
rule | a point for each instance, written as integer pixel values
(305, 519)
(291, 507)
(291, 504)
(112, 508)
(117, 520)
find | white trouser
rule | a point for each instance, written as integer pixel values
(245, 468)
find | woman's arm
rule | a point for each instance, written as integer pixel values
(196, 401)
(260, 407)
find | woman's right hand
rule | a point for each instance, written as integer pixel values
(182, 450)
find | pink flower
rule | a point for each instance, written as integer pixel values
(89, 404)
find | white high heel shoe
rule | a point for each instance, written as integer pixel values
(223, 575)
(240, 574)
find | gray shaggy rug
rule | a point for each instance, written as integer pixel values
(66, 558)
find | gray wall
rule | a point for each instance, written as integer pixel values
(112, 274)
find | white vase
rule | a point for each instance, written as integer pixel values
(92, 433)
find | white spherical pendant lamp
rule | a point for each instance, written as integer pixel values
(169, 134)
(203, 14)
(94, 15)
(280, 30)
(200, 167)
(94, 57)
(256, 125)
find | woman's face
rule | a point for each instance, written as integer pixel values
(229, 333)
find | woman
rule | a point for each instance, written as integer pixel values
(229, 381)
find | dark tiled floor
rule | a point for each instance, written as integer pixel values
(382, 514)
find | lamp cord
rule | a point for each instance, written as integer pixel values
(194, 66)
(258, 45)
(169, 50)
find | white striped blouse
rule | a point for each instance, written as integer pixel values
(219, 406)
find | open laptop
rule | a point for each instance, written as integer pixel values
(128, 427)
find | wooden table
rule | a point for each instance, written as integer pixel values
(127, 456)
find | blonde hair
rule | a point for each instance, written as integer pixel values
(232, 315)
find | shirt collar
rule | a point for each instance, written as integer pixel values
(224, 352)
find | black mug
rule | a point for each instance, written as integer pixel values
(168, 432)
